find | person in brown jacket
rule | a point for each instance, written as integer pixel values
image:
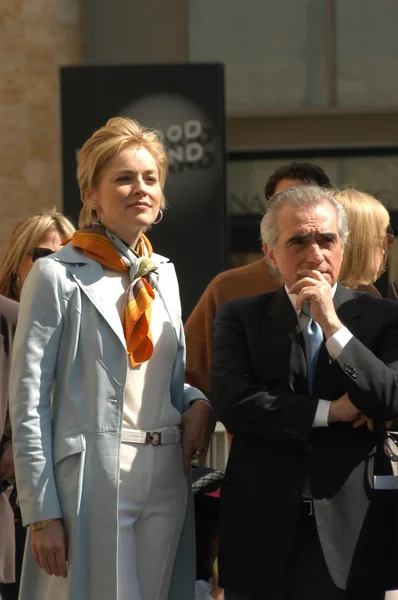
(250, 280)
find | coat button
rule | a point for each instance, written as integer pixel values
(309, 447)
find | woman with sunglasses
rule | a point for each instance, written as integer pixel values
(32, 238)
(370, 238)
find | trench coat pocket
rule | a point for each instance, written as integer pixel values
(67, 446)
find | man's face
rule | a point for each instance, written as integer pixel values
(307, 239)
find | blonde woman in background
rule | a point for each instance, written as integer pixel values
(34, 237)
(103, 422)
(369, 240)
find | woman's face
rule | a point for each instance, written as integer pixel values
(128, 197)
(51, 241)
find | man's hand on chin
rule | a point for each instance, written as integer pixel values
(315, 289)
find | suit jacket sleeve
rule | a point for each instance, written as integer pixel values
(240, 402)
(32, 374)
(371, 379)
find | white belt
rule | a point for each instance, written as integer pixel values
(164, 435)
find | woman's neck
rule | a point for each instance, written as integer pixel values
(129, 239)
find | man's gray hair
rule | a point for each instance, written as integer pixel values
(302, 197)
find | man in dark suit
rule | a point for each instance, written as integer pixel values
(304, 379)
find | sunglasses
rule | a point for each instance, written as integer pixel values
(36, 253)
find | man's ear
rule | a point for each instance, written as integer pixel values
(270, 252)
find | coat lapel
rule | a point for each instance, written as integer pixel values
(89, 275)
(349, 312)
(348, 308)
(280, 323)
(91, 280)
(168, 291)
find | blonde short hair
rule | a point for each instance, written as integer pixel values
(27, 235)
(118, 134)
(368, 220)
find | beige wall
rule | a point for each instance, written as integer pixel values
(36, 37)
(153, 31)
(312, 129)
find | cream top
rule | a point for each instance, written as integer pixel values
(147, 402)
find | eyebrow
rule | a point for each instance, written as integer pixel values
(147, 172)
(301, 237)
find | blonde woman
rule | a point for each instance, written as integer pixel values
(34, 237)
(369, 240)
(103, 422)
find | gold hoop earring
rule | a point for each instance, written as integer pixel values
(94, 217)
(159, 217)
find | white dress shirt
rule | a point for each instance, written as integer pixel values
(334, 346)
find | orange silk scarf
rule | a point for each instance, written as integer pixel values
(136, 318)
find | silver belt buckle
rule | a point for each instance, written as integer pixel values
(154, 438)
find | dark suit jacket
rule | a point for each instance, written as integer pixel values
(259, 392)
(393, 290)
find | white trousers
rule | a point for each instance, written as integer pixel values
(152, 505)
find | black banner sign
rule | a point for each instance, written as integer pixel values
(186, 104)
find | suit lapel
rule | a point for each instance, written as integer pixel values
(350, 314)
(280, 323)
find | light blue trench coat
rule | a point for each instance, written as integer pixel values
(66, 401)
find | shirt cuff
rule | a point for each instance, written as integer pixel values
(322, 414)
(337, 342)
